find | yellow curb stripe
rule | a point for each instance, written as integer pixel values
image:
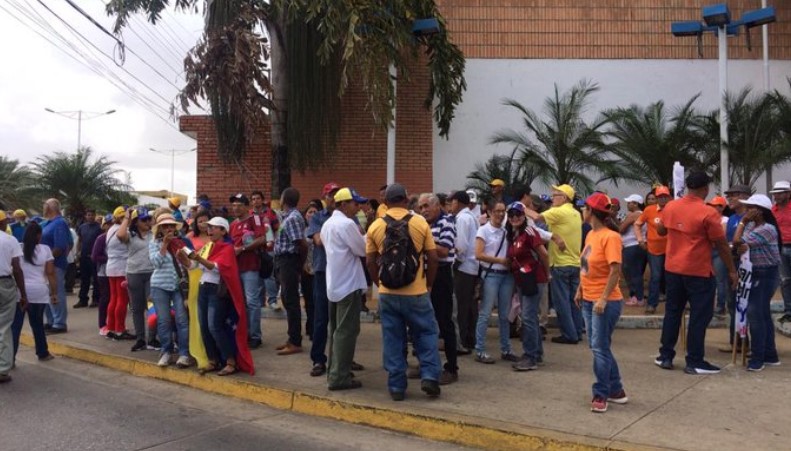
(455, 431)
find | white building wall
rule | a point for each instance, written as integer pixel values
(621, 82)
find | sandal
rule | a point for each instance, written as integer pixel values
(228, 370)
(212, 367)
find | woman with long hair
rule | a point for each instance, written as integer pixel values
(529, 264)
(601, 298)
(198, 236)
(39, 269)
(221, 299)
(758, 232)
(117, 253)
(138, 272)
(165, 257)
(497, 284)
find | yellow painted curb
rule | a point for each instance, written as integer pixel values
(456, 431)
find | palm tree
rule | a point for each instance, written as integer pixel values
(507, 168)
(561, 147)
(649, 140)
(253, 52)
(782, 106)
(14, 184)
(754, 134)
(80, 181)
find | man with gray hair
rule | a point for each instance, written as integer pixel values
(444, 231)
(12, 291)
(57, 236)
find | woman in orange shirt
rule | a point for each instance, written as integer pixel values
(601, 298)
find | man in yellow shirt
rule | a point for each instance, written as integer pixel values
(565, 221)
(407, 305)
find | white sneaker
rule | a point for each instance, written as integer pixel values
(183, 362)
(164, 360)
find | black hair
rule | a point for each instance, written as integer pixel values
(260, 193)
(30, 241)
(90, 210)
(373, 203)
(511, 233)
(769, 218)
(199, 214)
(520, 191)
(290, 197)
(605, 218)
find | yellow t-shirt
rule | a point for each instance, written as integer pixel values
(421, 235)
(565, 222)
(381, 210)
(602, 248)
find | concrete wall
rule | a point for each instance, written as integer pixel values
(622, 82)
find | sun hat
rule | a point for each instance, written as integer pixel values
(219, 221)
(565, 189)
(346, 194)
(739, 189)
(634, 198)
(780, 187)
(599, 202)
(759, 200)
(164, 219)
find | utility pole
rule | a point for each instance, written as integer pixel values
(172, 153)
(79, 116)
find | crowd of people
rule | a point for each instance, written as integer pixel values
(196, 284)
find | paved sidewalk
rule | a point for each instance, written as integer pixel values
(494, 407)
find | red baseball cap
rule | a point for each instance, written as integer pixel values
(599, 202)
(615, 201)
(330, 187)
(662, 191)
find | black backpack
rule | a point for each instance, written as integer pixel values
(400, 260)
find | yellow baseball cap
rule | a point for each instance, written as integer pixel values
(3, 216)
(20, 212)
(176, 201)
(565, 189)
(497, 182)
(119, 212)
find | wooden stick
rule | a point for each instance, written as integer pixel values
(684, 330)
(744, 348)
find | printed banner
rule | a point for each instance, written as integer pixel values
(743, 293)
(679, 187)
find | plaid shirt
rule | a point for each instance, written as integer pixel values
(762, 241)
(292, 229)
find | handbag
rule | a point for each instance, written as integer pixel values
(183, 282)
(528, 285)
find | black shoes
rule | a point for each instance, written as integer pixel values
(563, 340)
(665, 364)
(319, 369)
(430, 388)
(397, 395)
(253, 343)
(357, 367)
(56, 330)
(139, 346)
(80, 305)
(351, 385)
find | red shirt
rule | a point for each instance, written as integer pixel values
(783, 216)
(266, 216)
(242, 233)
(523, 252)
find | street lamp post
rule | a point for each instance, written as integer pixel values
(173, 153)
(79, 115)
(717, 19)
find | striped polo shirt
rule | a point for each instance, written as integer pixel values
(444, 231)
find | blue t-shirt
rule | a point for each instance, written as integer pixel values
(319, 254)
(18, 230)
(730, 229)
(57, 236)
(88, 232)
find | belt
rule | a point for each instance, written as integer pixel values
(497, 271)
(6, 277)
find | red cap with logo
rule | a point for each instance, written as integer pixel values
(330, 187)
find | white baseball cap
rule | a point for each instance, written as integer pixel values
(759, 200)
(634, 198)
(218, 221)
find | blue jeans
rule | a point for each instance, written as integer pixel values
(759, 315)
(321, 318)
(163, 300)
(272, 287)
(565, 280)
(397, 312)
(35, 317)
(785, 278)
(600, 329)
(656, 264)
(251, 284)
(723, 283)
(700, 293)
(495, 288)
(212, 316)
(532, 345)
(634, 260)
(56, 314)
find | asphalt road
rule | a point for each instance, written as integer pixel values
(69, 405)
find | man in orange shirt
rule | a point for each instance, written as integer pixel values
(654, 243)
(692, 229)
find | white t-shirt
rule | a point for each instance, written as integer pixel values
(9, 248)
(117, 253)
(494, 244)
(344, 245)
(36, 283)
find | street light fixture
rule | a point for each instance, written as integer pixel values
(79, 115)
(173, 153)
(718, 20)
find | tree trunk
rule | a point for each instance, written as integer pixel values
(281, 170)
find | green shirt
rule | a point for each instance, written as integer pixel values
(565, 222)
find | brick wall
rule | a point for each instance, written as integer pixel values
(599, 29)
(359, 161)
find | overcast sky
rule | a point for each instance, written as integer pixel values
(36, 74)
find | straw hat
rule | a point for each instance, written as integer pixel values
(164, 219)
